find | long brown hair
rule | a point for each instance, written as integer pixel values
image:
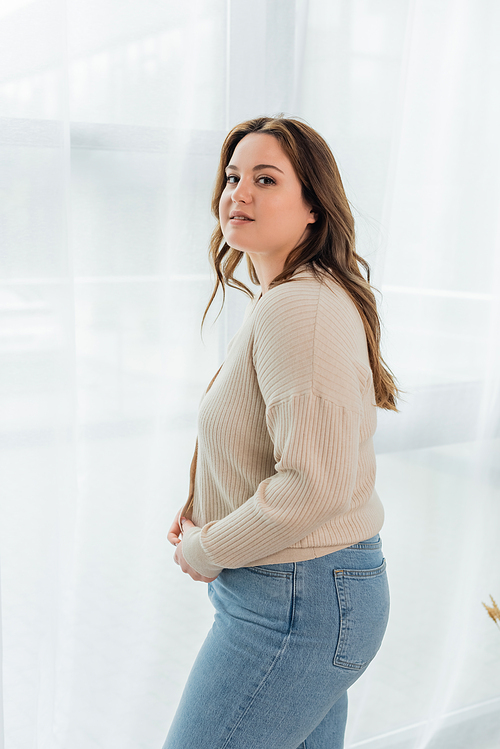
(329, 246)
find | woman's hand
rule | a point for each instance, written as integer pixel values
(174, 534)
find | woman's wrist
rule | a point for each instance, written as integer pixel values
(194, 553)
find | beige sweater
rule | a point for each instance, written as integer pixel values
(286, 466)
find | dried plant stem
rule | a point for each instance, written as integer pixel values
(493, 611)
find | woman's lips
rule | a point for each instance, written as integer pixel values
(240, 220)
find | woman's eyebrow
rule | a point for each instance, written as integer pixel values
(256, 168)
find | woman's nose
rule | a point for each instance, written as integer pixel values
(241, 193)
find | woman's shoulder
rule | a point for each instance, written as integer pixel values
(309, 331)
(316, 313)
(305, 298)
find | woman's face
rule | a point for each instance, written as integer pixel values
(262, 210)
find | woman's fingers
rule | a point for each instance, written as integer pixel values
(177, 528)
(174, 532)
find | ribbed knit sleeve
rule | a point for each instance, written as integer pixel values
(310, 362)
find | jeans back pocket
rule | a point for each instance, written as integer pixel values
(363, 599)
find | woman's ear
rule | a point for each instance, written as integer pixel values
(313, 218)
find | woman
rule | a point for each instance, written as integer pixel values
(284, 514)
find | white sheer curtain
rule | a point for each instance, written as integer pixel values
(111, 118)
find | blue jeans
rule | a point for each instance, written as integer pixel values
(287, 642)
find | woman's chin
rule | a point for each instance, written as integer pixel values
(238, 246)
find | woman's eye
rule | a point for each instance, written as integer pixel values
(233, 179)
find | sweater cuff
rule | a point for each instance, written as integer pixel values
(196, 556)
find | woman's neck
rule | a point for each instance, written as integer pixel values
(266, 268)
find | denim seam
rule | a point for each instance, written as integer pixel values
(363, 573)
(276, 658)
(271, 573)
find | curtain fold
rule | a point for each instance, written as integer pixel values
(111, 121)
